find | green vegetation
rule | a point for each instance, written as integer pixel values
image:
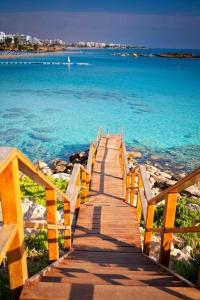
(185, 217)
(36, 193)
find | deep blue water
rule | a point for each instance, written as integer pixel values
(50, 111)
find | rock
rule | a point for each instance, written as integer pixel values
(33, 211)
(60, 169)
(47, 171)
(161, 185)
(73, 157)
(62, 163)
(193, 206)
(194, 190)
(152, 180)
(171, 182)
(44, 168)
(83, 154)
(42, 164)
(176, 253)
(178, 55)
(63, 176)
(187, 250)
(134, 154)
(166, 175)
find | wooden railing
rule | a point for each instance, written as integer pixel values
(129, 176)
(12, 232)
(92, 152)
(138, 193)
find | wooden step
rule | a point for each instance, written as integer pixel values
(62, 291)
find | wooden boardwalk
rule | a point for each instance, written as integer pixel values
(106, 261)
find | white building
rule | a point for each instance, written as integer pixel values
(2, 36)
(35, 41)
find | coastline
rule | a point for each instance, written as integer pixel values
(19, 55)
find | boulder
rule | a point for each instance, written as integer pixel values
(60, 169)
(73, 157)
(193, 206)
(42, 164)
(194, 190)
(134, 154)
(63, 176)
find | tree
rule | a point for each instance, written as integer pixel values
(16, 41)
(8, 41)
(35, 47)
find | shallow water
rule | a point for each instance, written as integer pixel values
(51, 111)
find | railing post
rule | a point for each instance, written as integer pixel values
(132, 193)
(168, 222)
(149, 224)
(78, 184)
(52, 220)
(128, 181)
(139, 205)
(67, 223)
(83, 187)
(12, 214)
(87, 184)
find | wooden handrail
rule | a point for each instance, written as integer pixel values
(146, 184)
(124, 157)
(12, 233)
(92, 152)
(138, 193)
(7, 234)
(27, 168)
(146, 205)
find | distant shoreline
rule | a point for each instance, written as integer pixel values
(32, 54)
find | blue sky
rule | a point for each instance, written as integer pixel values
(153, 23)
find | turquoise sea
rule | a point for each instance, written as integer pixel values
(50, 111)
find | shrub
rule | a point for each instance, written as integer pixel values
(36, 193)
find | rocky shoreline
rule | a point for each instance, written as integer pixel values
(160, 176)
(161, 55)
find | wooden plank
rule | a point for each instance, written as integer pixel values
(7, 234)
(139, 204)
(128, 182)
(43, 226)
(67, 223)
(125, 158)
(90, 158)
(149, 224)
(83, 187)
(146, 184)
(6, 156)
(168, 221)
(12, 214)
(189, 229)
(133, 187)
(51, 210)
(73, 182)
(143, 203)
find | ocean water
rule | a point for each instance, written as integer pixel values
(50, 111)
